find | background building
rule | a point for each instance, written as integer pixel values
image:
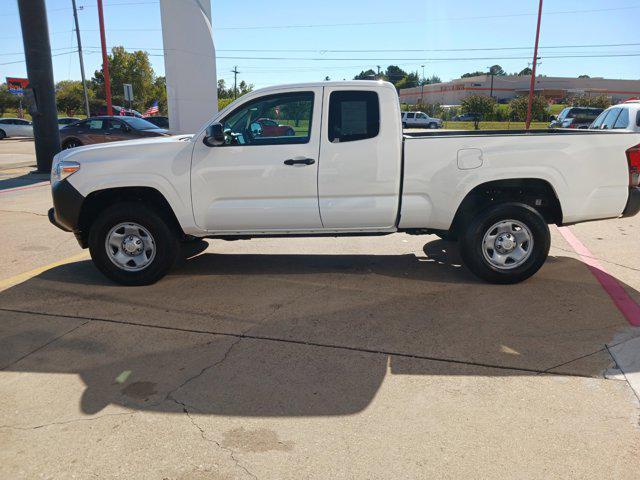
(510, 86)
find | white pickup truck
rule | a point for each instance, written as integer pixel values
(330, 159)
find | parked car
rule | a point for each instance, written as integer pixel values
(623, 117)
(271, 128)
(15, 127)
(107, 129)
(349, 171)
(159, 121)
(575, 117)
(465, 117)
(419, 120)
(64, 121)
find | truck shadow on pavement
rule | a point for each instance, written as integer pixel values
(299, 335)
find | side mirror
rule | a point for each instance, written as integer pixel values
(126, 128)
(214, 136)
(552, 118)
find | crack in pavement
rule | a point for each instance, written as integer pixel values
(24, 211)
(55, 339)
(203, 434)
(66, 422)
(185, 409)
(306, 343)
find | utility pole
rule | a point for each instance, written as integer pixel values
(235, 81)
(84, 80)
(37, 53)
(378, 70)
(533, 68)
(105, 60)
(422, 90)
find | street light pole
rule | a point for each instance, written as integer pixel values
(533, 69)
(84, 80)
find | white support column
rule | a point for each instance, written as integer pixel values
(190, 63)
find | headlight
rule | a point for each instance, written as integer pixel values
(61, 169)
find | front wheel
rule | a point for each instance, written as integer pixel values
(433, 125)
(3, 134)
(506, 244)
(132, 244)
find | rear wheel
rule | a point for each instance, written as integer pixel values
(3, 134)
(506, 244)
(132, 244)
(71, 143)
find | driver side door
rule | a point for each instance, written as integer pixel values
(259, 180)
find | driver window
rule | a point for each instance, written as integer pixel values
(272, 120)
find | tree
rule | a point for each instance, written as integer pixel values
(584, 76)
(473, 74)
(296, 111)
(366, 75)
(479, 105)
(70, 97)
(394, 74)
(7, 100)
(599, 101)
(519, 105)
(497, 70)
(127, 67)
(525, 71)
(410, 80)
(432, 79)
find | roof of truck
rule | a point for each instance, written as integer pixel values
(331, 83)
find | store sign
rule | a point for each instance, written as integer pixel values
(16, 86)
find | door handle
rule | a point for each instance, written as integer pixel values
(300, 161)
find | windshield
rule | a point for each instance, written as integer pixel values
(138, 123)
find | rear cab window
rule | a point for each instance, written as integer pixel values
(623, 119)
(610, 119)
(353, 115)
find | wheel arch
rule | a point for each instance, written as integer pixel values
(99, 200)
(535, 192)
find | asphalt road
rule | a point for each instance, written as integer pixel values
(325, 358)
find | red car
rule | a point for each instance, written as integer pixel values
(271, 128)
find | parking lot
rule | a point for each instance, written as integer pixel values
(373, 357)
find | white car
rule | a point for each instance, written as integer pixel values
(347, 170)
(15, 127)
(419, 120)
(624, 117)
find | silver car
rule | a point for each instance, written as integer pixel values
(15, 127)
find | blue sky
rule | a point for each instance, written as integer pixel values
(453, 32)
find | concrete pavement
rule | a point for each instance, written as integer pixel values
(315, 358)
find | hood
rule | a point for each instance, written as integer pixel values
(125, 149)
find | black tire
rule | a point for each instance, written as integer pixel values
(165, 240)
(433, 125)
(473, 251)
(71, 143)
(290, 133)
(3, 134)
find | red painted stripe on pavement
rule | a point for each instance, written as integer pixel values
(26, 187)
(627, 306)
